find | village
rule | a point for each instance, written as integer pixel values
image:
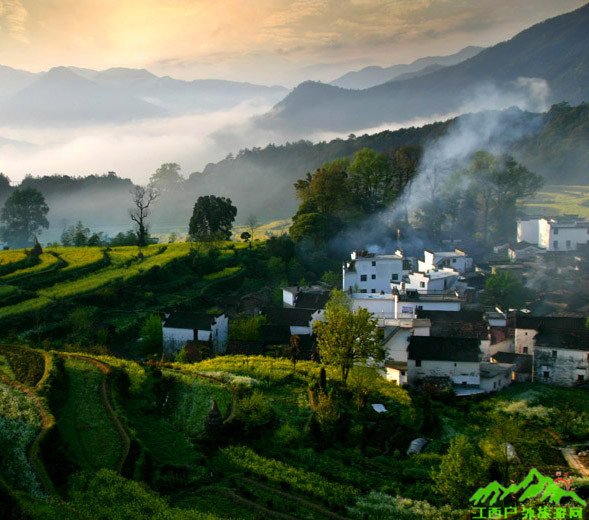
(435, 328)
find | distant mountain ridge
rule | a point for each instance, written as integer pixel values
(374, 75)
(72, 95)
(555, 51)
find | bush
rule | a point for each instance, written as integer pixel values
(254, 412)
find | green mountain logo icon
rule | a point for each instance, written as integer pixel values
(535, 485)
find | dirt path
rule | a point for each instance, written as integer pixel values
(47, 422)
(106, 401)
(570, 454)
(268, 513)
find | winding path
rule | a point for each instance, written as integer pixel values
(570, 454)
(106, 401)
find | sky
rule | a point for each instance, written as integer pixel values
(263, 41)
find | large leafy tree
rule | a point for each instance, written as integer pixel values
(212, 218)
(371, 180)
(24, 215)
(504, 290)
(347, 337)
(165, 176)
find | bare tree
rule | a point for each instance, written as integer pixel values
(251, 225)
(142, 198)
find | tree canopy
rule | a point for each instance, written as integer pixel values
(165, 176)
(24, 215)
(347, 337)
(212, 218)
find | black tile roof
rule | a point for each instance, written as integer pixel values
(525, 321)
(522, 362)
(451, 316)
(189, 320)
(573, 339)
(277, 334)
(443, 349)
(290, 317)
(311, 300)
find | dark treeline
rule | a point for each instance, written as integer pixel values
(259, 180)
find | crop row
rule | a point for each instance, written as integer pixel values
(27, 365)
(48, 262)
(289, 477)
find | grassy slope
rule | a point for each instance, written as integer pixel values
(558, 200)
(83, 421)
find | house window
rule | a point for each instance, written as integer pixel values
(556, 231)
(554, 353)
(373, 277)
(395, 277)
(453, 260)
(373, 264)
(546, 374)
(454, 364)
(555, 244)
(372, 291)
(402, 372)
(525, 350)
(568, 243)
(418, 362)
(580, 377)
(362, 291)
(421, 284)
(363, 277)
(494, 384)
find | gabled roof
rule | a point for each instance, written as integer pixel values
(522, 245)
(444, 349)
(525, 321)
(573, 339)
(311, 300)
(456, 324)
(189, 320)
(522, 362)
(290, 317)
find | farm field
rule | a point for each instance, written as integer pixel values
(554, 200)
(83, 421)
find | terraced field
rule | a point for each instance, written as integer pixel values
(558, 200)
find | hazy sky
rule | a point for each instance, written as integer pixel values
(264, 41)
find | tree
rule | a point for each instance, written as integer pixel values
(165, 176)
(212, 219)
(142, 200)
(371, 180)
(504, 290)
(252, 224)
(462, 470)
(24, 214)
(347, 337)
(246, 237)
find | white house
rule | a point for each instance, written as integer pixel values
(561, 357)
(438, 280)
(396, 371)
(456, 260)
(527, 328)
(180, 327)
(395, 306)
(528, 229)
(496, 376)
(371, 273)
(563, 233)
(523, 251)
(457, 359)
(300, 321)
(397, 333)
(310, 297)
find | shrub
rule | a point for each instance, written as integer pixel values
(253, 412)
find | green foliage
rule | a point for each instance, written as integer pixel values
(254, 412)
(151, 334)
(275, 471)
(24, 214)
(27, 365)
(380, 506)
(347, 337)
(106, 495)
(17, 406)
(212, 219)
(326, 413)
(504, 290)
(246, 327)
(166, 175)
(461, 472)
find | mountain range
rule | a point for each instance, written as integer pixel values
(374, 75)
(71, 95)
(550, 60)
